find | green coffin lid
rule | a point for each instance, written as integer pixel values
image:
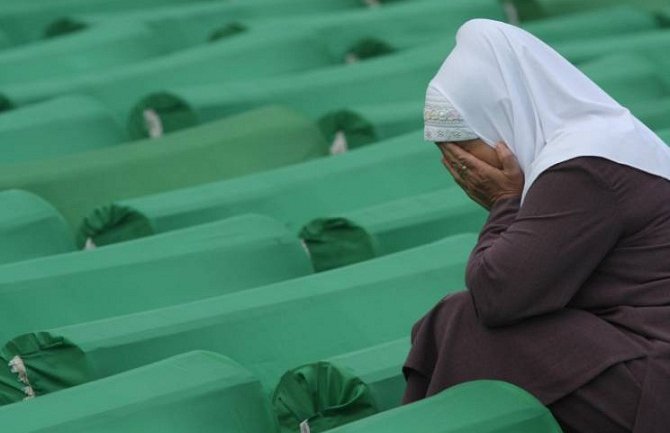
(322, 396)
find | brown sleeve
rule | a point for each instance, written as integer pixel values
(533, 261)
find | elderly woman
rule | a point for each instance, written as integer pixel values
(569, 284)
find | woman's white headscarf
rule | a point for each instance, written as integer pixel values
(510, 86)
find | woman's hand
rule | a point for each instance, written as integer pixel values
(482, 182)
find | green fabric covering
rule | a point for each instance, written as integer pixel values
(628, 78)
(336, 242)
(294, 195)
(30, 228)
(226, 31)
(665, 135)
(270, 50)
(89, 51)
(390, 227)
(194, 392)
(624, 19)
(274, 328)
(473, 407)
(5, 104)
(654, 113)
(181, 266)
(380, 368)
(649, 43)
(77, 184)
(35, 364)
(173, 113)
(64, 26)
(61, 126)
(322, 396)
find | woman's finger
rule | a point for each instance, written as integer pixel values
(454, 173)
(471, 162)
(507, 158)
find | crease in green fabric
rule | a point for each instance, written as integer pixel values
(368, 48)
(227, 31)
(40, 363)
(172, 112)
(323, 395)
(64, 26)
(336, 242)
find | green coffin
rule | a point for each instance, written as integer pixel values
(30, 228)
(390, 227)
(473, 407)
(273, 328)
(196, 391)
(181, 266)
(61, 126)
(251, 142)
(294, 195)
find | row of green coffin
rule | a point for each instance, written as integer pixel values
(251, 142)
(24, 132)
(31, 22)
(269, 49)
(397, 78)
(298, 43)
(217, 258)
(268, 329)
(206, 392)
(177, 267)
(375, 201)
(333, 187)
(74, 124)
(119, 90)
(117, 38)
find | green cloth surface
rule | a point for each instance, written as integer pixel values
(251, 142)
(649, 43)
(665, 135)
(322, 396)
(472, 407)
(629, 78)
(61, 126)
(32, 365)
(277, 327)
(390, 227)
(193, 392)
(654, 113)
(87, 51)
(617, 20)
(30, 228)
(176, 267)
(385, 171)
